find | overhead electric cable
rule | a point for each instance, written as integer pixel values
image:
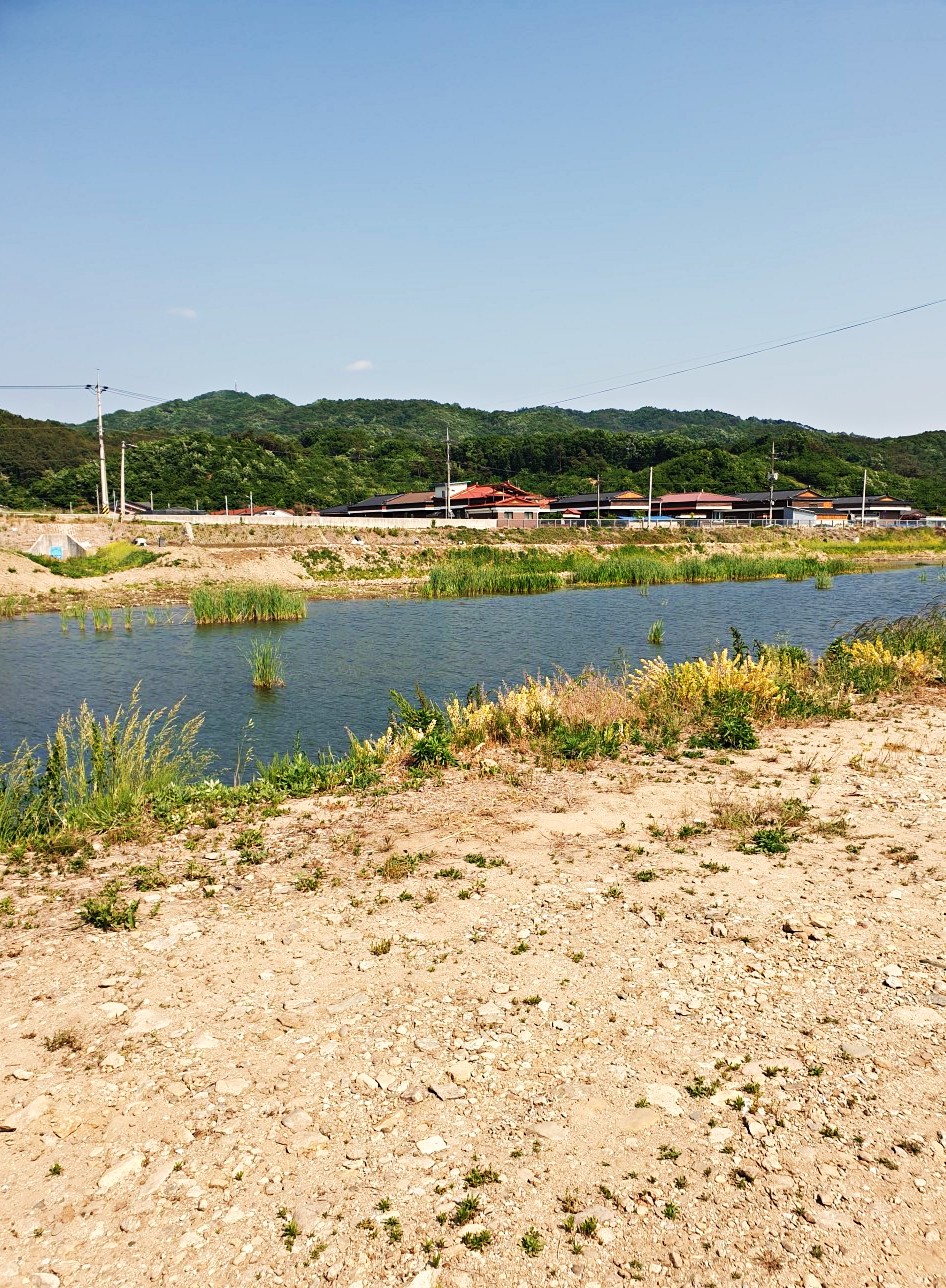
(751, 353)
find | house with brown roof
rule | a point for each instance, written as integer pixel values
(709, 506)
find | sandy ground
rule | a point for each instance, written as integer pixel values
(674, 1061)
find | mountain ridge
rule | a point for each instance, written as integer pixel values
(226, 444)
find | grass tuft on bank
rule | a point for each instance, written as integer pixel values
(116, 557)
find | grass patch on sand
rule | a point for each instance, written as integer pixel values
(116, 557)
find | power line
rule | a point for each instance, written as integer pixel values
(751, 353)
(113, 389)
(129, 393)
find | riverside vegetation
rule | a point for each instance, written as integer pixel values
(488, 570)
(117, 773)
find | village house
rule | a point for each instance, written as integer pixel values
(707, 506)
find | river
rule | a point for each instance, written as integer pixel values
(343, 660)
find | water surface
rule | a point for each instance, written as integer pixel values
(343, 660)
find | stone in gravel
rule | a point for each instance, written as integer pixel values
(389, 1123)
(490, 1014)
(156, 1177)
(23, 1117)
(359, 999)
(113, 1009)
(431, 1145)
(430, 1045)
(917, 1016)
(755, 1127)
(45, 1279)
(428, 1278)
(204, 1042)
(546, 1131)
(63, 1128)
(447, 1091)
(299, 1120)
(121, 1171)
(148, 1021)
(307, 1142)
(232, 1086)
(636, 1120)
(855, 1050)
(460, 1071)
(22, 1075)
(113, 1060)
(719, 1135)
(664, 1097)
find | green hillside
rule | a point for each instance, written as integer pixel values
(332, 451)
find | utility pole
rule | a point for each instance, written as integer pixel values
(597, 483)
(226, 505)
(864, 500)
(98, 389)
(773, 479)
(448, 508)
(650, 494)
(121, 484)
(251, 505)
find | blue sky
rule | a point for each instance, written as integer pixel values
(497, 204)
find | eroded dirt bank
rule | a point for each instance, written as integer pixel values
(576, 1036)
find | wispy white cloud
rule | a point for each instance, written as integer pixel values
(360, 364)
(189, 314)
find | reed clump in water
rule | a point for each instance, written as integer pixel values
(266, 665)
(236, 605)
(102, 619)
(483, 570)
(655, 635)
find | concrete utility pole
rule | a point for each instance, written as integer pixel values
(448, 508)
(773, 479)
(98, 389)
(597, 483)
(864, 500)
(650, 494)
(121, 484)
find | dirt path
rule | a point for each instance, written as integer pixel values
(651, 1056)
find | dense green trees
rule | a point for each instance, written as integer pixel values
(335, 451)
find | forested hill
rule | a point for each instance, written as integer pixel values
(228, 444)
(228, 412)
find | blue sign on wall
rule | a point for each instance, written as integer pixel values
(55, 552)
